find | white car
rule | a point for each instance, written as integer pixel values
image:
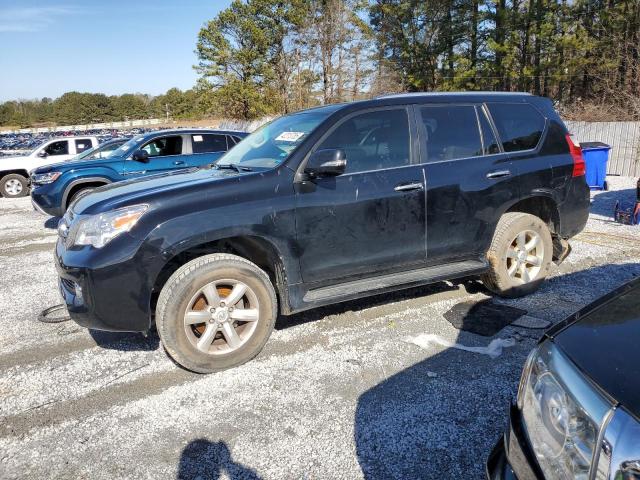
(14, 171)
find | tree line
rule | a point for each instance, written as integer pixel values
(266, 57)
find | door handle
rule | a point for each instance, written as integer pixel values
(406, 187)
(178, 162)
(499, 174)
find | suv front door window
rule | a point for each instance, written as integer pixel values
(165, 153)
(372, 217)
(60, 147)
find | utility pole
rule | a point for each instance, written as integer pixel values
(166, 106)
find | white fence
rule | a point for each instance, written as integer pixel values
(624, 139)
(90, 126)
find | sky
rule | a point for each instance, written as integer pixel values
(110, 46)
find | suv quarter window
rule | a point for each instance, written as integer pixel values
(208, 142)
(372, 140)
(164, 146)
(60, 147)
(519, 125)
(450, 131)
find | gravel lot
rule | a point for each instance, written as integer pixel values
(338, 392)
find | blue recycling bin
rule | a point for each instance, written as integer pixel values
(596, 156)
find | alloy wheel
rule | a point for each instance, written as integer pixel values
(221, 317)
(13, 187)
(525, 256)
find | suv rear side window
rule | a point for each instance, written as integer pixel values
(165, 146)
(58, 148)
(373, 140)
(519, 125)
(82, 145)
(205, 143)
(451, 132)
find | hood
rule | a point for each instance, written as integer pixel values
(73, 164)
(604, 344)
(146, 189)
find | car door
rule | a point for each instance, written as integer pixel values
(371, 219)
(165, 153)
(56, 151)
(469, 179)
(81, 145)
(206, 148)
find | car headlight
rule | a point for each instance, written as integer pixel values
(98, 230)
(43, 178)
(562, 413)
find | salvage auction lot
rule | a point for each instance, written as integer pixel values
(338, 392)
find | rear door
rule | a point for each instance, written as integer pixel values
(520, 127)
(165, 153)
(207, 148)
(81, 145)
(371, 219)
(469, 179)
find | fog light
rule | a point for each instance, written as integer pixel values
(77, 289)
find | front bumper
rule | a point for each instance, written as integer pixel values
(44, 202)
(105, 292)
(512, 458)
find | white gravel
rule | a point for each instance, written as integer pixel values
(337, 393)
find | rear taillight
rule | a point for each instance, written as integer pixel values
(579, 167)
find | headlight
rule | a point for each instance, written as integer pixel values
(562, 413)
(48, 177)
(98, 230)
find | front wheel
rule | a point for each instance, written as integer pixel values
(520, 255)
(14, 186)
(216, 312)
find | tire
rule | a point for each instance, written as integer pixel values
(506, 255)
(80, 193)
(183, 294)
(14, 186)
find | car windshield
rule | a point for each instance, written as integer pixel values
(272, 144)
(127, 148)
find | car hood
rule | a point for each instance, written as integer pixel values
(74, 164)
(143, 189)
(604, 345)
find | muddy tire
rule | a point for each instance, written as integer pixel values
(520, 255)
(14, 186)
(216, 312)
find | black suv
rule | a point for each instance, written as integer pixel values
(323, 206)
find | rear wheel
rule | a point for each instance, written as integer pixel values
(14, 185)
(520, 255)
(216, 312)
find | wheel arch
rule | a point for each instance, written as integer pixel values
(542, 206)
(256, 249)
(79, 184)
(18, 171)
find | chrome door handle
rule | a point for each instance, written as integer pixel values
(499, 174)
(405, 187)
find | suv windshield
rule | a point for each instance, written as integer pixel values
(127, 148)
(272, 144)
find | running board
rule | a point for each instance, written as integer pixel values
(397, 280)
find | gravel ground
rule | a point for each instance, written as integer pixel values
(343, 392)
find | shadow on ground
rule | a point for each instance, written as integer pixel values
(603, 203)
(51, 223)
(206, 460)
(423, 421)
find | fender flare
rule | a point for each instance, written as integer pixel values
(80, 181)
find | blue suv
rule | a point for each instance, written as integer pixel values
(55, 187)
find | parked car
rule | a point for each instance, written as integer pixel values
(14, 171)
(57, 185)
(578, 409)
(101, 151)
(323, 206)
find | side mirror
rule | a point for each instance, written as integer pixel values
(43, 154)
(140, 156)
(326, 163)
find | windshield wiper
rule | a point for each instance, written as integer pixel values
(233, 166)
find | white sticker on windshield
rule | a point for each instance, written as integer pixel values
(197, 138)
(289, 136)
